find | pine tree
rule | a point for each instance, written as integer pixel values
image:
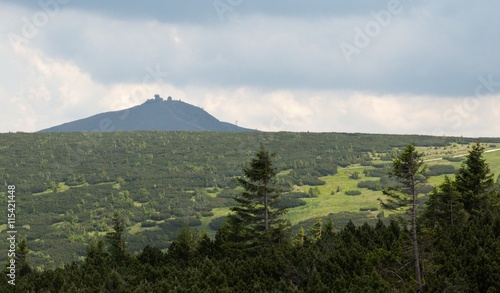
(474, 180)
(316, 231)
(328, 230)
(206, 246)
(410, 171)
(444, 208)
(315, 284)
(116, 239)
(256, 219)
(95, 252)
(22, 257)
(301, 238)
(186, 244)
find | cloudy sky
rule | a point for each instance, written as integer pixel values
(407, 66)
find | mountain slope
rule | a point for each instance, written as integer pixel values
(154, 114)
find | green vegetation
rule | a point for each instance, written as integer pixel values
(410, 171)
(474, 180)
(71, 184)
(256, 220)
(459, 245)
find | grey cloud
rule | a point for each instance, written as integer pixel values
(206, 12)
(428, 48)
(163, 11)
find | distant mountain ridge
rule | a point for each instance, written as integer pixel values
(154, 114)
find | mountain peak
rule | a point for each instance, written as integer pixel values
(153, 114)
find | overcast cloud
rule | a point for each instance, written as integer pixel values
(346, 66)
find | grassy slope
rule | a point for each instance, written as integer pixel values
(327, 203)
(339, 202)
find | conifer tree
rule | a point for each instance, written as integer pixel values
(185, 245)
(256, 219)
(95, 251)
(301, 238)
(152, 256)
(410, 171)
(444, 208)
(116, 238)
(22, 257)
(474, 180)
(328, 230)
(316, 230)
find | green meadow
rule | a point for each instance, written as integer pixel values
(332, 197)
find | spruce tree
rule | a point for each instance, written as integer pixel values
(186, 244)
(410, 171)
(444, 208)
(256, 219)
(116, 239)
(474, 180)
(316, 230)
(95, 251)
(301, 238)
(22, 257)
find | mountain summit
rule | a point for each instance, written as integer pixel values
(154, 114)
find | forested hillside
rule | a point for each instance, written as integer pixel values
(70, 184)
(449, 243)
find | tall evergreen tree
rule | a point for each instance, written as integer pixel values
(22, 257)
(95, 251)
(444, 208)
(185, 245)
(474, 180)
(116, 238)
(301, 238)
(316, 230)
(256, 219)
(410, 171)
